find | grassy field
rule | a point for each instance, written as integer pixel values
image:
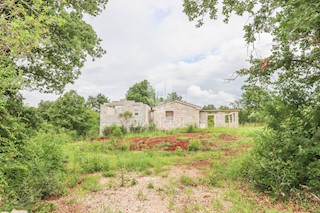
(198, 172)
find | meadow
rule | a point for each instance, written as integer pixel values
(164, 171)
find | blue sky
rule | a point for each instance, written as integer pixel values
(154, 40)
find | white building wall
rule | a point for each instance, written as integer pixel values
(183, 115)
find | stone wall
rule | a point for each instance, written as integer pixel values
(183, 115)
(109, 113)
(220, 119)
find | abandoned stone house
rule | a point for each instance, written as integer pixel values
(172, 115)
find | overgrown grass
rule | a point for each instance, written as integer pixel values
(114, 158)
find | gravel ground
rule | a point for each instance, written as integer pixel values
(163, 192)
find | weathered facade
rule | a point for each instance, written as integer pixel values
(221, 118)
(110, 113)
(172, 115)
(176, 114)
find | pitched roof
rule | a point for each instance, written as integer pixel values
(180, 102)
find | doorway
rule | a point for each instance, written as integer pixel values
(210, 121)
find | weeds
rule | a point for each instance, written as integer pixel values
(150, 185)
(192, 128)
(134, 182)
(141, 196)
(187, 181)
(171, 193)
(109, 174)
(91, 183)
(194, 145)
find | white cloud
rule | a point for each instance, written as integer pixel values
(154, 40)
(209, 97)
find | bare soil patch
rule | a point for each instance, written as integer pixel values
(161, 193)
(167, 143)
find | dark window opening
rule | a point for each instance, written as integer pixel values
(169, 115)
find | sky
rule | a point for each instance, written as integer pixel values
(154, 40)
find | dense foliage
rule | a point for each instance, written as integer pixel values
(287, 153)
(47, 41)
(43, 46)
(36, 171)
(142, 92)
(94, 102)
(70, 112)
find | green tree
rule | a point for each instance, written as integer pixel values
(286, 154)
(251, 105)
(95, 102)
(141, 92)
(209, 107)
(70, 112)
(43, 45)
(173, 97)
(50, 38)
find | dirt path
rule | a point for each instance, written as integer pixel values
(177, 189)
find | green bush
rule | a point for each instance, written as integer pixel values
(38, 176)
(137, 129)
(152, 127)
(192, 128)
(114, 130)
(194, 145)
(282, 162)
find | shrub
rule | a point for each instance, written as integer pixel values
(114, 130)
(137, 129)
(282, 162)
(194, 145)
(152, 127)
(38, 175)
(191, 128)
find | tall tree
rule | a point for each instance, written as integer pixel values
(286, 156)
(47, 42)
(94, 102)
(43, 45)
(142, 92)
(173, 97)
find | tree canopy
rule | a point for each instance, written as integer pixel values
(47, 42)
(94, 102)
(70, 112)
(173, 97)
(43, 46)
(141, 92)
(284, 86)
